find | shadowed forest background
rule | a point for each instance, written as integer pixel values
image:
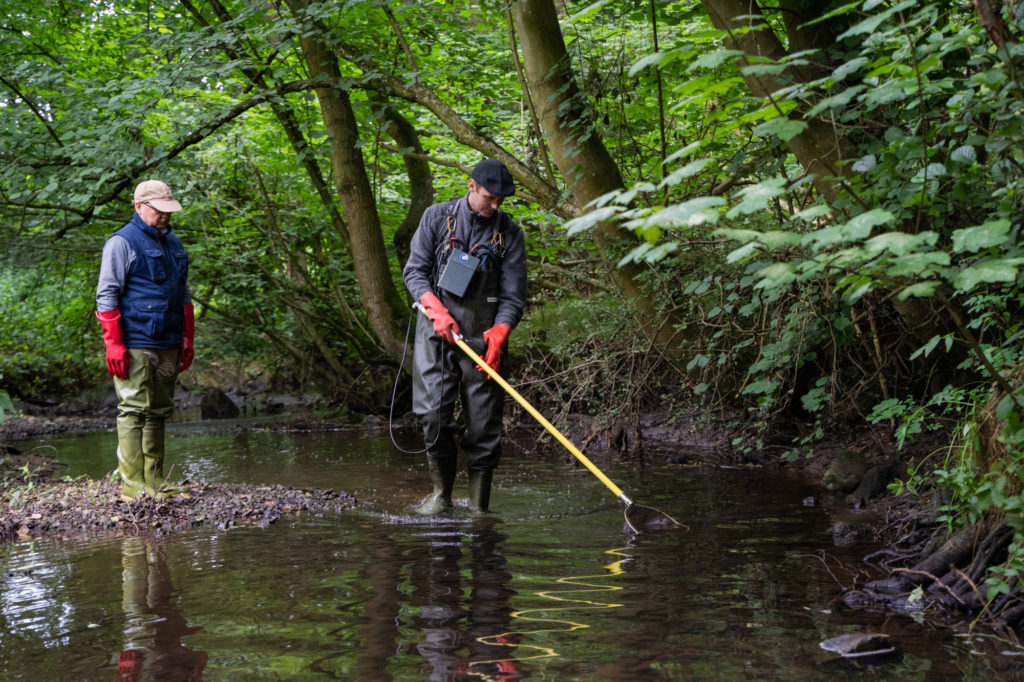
(805, 216)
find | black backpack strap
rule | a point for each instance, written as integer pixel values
(445, 246)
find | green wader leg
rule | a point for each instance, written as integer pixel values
(165, 375)
(153, 453)
(129, 456)
(153, 456)
(442, 473)
(146, 400)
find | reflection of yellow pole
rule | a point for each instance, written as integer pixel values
(543, 422)
(614, 568)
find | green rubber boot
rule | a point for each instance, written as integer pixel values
(153, 472)
(130, 460)
(442, 473)
(153, 455)
(479, 491)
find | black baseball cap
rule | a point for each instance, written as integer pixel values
(494, 177)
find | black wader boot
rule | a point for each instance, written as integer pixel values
(480, 490)
(442, 473)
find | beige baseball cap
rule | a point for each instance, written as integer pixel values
(157, 195)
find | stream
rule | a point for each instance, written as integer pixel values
(548, 587)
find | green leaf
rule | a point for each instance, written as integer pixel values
(900, 243)
(993, 270)
(636, 255)
(775, 276)
(689, 213)
(919, 289)
(687, 171)
(781, 127)
(865, 164)
(848, 67)
(886, 93)
(626, 197)
(763, 69)
(742, 253)
(867, 26)
(589, 10)
(870, 24)
(918, 264)
(857, 228)
(713, 60)
(838, 100)
(764, 386)
(655, 59)
(699, 360)
(683, 151)
(651, 234)
(863, 223)
(927, 348)
(756, 197)
(980, 237)
(812, 213)
(964, 154)
(660, 251)
(772, 239)
(588, 220)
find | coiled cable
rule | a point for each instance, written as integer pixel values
(394, 393)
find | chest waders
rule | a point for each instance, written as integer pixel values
(443, 375)
(152, 305)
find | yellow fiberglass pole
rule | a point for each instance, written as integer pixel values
(543, 422)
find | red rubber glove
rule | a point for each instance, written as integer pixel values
(188, 351)
(495, 338)
(444, 323)
(117, 354)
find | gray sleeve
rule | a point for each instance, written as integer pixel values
(512, 296)
(419, 269)
(118, 258)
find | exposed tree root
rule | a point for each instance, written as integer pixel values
(952, 574)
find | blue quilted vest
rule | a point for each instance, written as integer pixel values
(153, 300)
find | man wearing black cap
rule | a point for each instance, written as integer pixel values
(467, 268)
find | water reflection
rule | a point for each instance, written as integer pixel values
(372, 596)
(465, 634)
(153, 626)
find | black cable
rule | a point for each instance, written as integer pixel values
(394, 393)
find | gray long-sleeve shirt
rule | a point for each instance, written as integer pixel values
(117, 262)
(472, 228)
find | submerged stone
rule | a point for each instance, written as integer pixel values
(845, 472)
(858, 644)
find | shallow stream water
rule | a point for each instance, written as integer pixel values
(548, 587)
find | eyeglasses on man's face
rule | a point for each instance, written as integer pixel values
(146, 203)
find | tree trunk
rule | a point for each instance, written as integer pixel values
(819, 148)
(421, 181)
(381, 299)
(578, 151)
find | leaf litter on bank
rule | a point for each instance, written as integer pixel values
(87, 507)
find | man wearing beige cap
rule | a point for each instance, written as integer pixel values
(145, 309)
